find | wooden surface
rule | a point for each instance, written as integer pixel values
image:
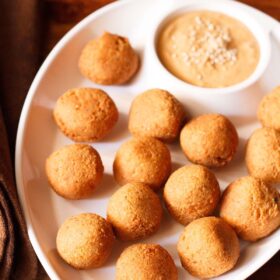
(64, 14)
(271, 7)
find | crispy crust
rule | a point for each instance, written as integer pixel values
(143, 160)
(134, 211)
(74, 171)
(210, 140)
(85, 241)
(85, 114)
(146, 262)
(208, 247)
(191, 192)
(163, 113)
(269, 110)
(251, 207)
(263, 155)
(108, 60)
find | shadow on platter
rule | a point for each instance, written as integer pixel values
(39, 141)
(176, 165)
(168, 227)
(119, 131)
(236, 168)
(107, 187)
(63, 270)
(172, 250)
(40, 197)
(118, 248)
(240, 121)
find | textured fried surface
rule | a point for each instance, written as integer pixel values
(145, 262)
(163, 115)
(263, 155)
(269, 110)
(134, 211)
(144, 160)
(208, 247)
(209, 140)
(74, 171)
(251, 207)
(85, 114)
(108, 60)
(191, 192)
(85, 241)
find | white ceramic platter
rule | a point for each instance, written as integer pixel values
(38, 135)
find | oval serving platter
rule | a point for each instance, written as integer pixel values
(38, 135)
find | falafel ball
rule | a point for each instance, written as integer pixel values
(74, 171)
(85, 241)
(208, 247)
(142, 160)
(191, 192)
(134, 211)
(251, 207)
(269, 110)
(145, 262)
(165, 115)
(210, 140)
(263, 155)
(85, 114)
(108, 60)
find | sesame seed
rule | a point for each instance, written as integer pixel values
(209, 43)
(198, 20)
(210, 26)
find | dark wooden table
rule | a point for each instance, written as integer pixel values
(64, 14)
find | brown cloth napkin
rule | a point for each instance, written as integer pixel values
(19, 57)
(20, 44)
(18, 260)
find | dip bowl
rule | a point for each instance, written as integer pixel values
(239, 99)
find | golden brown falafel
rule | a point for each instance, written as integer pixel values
(146, 262)
(263, 155)
(143, 160)
(134, 211)
(74, 171)
(269, 110)
(208, 247)
(191, 192)
(108, 60)
(85, 241)
(164, 112)
(251, 207)
(85, 114)
(210, 140)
